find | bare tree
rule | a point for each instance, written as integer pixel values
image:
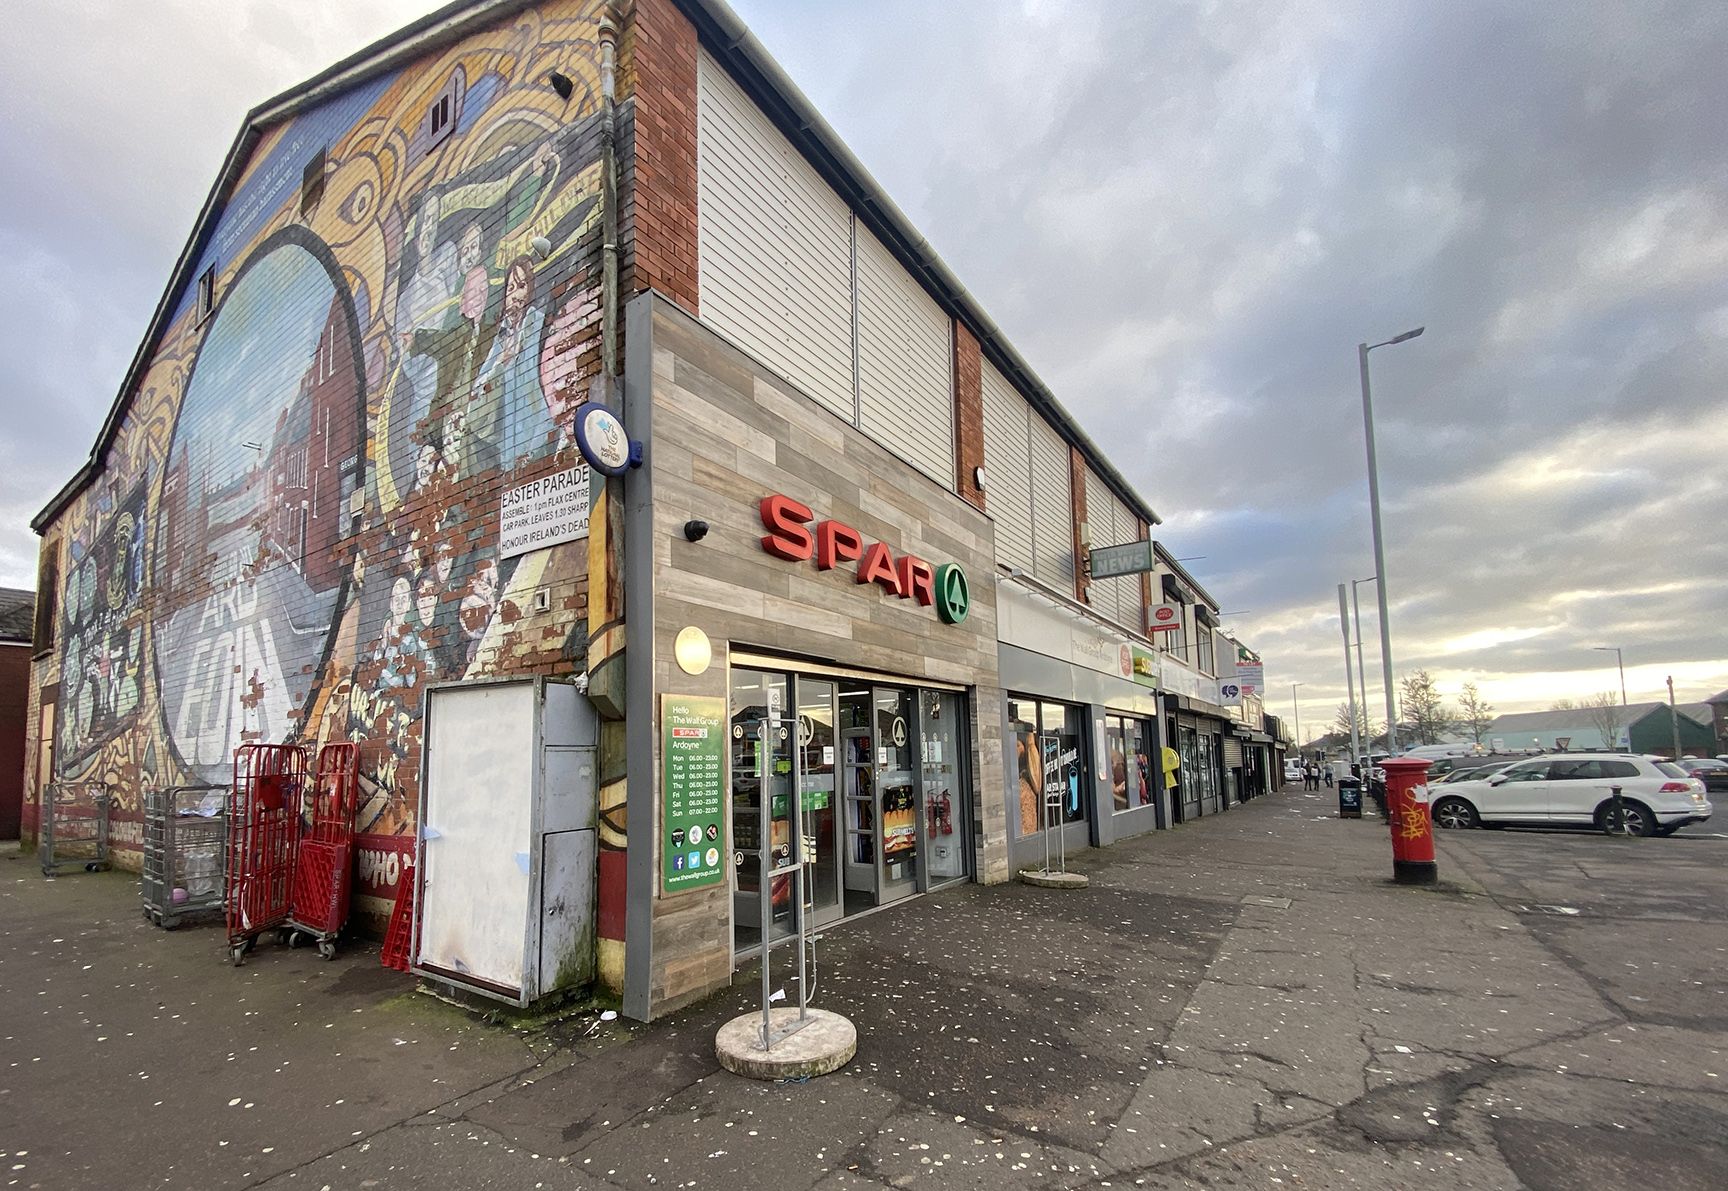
(1607, 715)
(1424, 711)
(1565, 705)
(1475, 712)
(1341, 722)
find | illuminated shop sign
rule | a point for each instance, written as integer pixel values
(792, 537)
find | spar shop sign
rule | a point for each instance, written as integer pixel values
(792, 536)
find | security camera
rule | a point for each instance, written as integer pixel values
(542, 247)
(695, 531)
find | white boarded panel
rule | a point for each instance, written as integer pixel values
(1052, 507)
(774, 245)
(476, 815)
(1101, 526)
(905, 369)
(1128, 586)
(1008, 469)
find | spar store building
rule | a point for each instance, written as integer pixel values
(549, 403)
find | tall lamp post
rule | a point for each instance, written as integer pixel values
(1619, 661)
(1297, 708)
(1350, 680)
(1362, 350)
(1361, 676)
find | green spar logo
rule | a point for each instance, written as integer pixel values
(953, 597)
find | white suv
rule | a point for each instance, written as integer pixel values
(1577, 788)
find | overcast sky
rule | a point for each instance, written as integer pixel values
(1186, 216)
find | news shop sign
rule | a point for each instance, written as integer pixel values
(545, 512)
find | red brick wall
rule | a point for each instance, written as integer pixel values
(1145, 581)
(1077, 485)
(968, 416)
(659, 70)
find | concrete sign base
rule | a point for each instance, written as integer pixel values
(825, 1045)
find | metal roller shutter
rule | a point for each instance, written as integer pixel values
(1008, 468)
(905, 366)
(774, 246)
(1052, 507)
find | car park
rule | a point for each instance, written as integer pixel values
(1577, 789)
(1709, 770)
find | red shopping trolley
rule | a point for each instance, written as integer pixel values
(323, 871)
(263, 834)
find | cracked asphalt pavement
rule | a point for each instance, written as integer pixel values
(1245, 1001)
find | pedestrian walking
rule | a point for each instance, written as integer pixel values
(1327, 770)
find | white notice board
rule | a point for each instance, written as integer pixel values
(545, 512)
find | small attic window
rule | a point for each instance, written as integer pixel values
(438, 121)
(312, 181)
(206, 293)
(445, 108)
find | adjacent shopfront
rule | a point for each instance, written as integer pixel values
(1083, 724)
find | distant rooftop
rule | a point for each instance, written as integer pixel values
(17, 611)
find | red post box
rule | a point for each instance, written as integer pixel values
(1407, 813)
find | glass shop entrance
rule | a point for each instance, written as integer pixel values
(879, 772)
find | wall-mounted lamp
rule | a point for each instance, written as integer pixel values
(695, 531)
(561, 83)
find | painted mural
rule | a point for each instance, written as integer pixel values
(297, 527)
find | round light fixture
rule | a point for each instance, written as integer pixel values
(692, 650)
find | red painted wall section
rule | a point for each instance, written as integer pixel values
(14, 717)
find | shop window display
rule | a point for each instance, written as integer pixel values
(1130, 764)
(1049, 762)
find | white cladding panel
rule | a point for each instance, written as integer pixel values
(905, 367)
(774, 245)
(1133, 613)
(1052, 507)
(1008, 468)
(1101, 531)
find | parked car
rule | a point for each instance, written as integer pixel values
(1712, 772)
(1292, 771)
(1659, 797)
(1473, 773)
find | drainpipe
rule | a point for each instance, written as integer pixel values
(608, 33)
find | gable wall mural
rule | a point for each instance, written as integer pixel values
(297, 526)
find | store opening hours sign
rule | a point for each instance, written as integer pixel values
(545, 512)
(693, 790)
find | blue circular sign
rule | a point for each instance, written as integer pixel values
(603, 440)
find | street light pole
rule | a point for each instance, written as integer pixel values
(1362, 350)
(1619, 661)
(1349, 679)
(1361, 676)
(1674, 717)
(1297, 708)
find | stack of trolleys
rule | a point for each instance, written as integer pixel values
(324, 869)
(263, 831)
(75, 827)
(185, 842)
(399, 938)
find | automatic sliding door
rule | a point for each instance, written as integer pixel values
(818, 767)
(896, 794)
(761, 801)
